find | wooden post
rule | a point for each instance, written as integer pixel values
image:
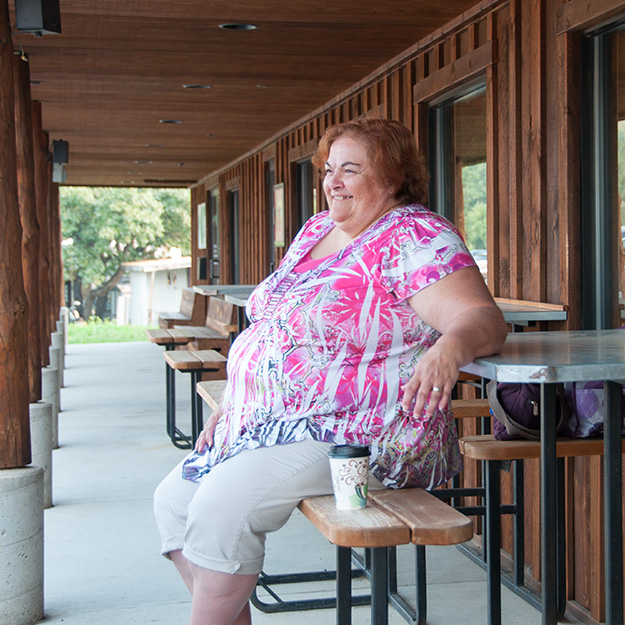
(28, 215)
(42, 184)
(14, 414)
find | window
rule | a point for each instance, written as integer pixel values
(603, 177)
(270, 181)
(233, 209)
(306, 192)
(458, 164)
(213, 230)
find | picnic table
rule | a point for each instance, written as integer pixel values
(547, 358)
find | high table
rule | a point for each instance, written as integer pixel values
(547, 358)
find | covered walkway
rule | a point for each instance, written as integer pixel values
(101, 545)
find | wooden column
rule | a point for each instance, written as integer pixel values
(28, 215)
(14, 417)
(42, 185)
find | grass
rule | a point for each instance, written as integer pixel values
(98, 331)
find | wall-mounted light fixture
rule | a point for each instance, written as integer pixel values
(60, 158)
(40, 17)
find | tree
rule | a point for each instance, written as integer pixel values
(104, 227)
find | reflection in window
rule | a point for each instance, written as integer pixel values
(458, 166)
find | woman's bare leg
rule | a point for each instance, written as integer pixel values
(220, 598)
(182, 565)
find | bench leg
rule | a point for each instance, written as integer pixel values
(379, 586)
(493, 543)
(343, 586)
(197, 416)
(421, 585)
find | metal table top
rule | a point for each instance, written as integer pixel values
(522, 314)
(575, 356)
(223, 289)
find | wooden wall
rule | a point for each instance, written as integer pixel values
(528, 53)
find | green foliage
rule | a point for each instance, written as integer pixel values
(474, 194)
(98, 331)
(108, 226)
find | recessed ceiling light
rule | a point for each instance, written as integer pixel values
(238, 26)
(197, 86)
(170, 121)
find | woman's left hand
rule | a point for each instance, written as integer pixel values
(432, 382)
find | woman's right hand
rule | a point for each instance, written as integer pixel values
(206, 437)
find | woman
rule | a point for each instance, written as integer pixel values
(356, 338)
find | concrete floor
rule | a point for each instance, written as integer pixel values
(102, 562)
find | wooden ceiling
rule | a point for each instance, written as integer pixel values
(121, 66)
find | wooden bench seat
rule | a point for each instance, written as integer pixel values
(211, 392)
(391, 518)
(192, 311)
(171, 337)
(487, 447)
(207, 364)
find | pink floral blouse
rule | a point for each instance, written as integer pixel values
(330, 344)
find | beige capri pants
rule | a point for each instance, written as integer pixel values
(221, 522)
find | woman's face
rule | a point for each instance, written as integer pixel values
(356, 194)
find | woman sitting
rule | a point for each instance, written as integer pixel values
(357, 338)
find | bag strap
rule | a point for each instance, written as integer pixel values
(514, 428)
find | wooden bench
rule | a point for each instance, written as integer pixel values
(391, 518)
(192, 311)
(429, 520)
(220, 327)
(496, 454)
(199, 364)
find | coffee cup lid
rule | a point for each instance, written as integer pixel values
(348, 451)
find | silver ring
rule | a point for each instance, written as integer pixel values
(436, 389)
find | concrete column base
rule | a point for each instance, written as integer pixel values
(59, 342)
(51, 394)
(64, 320)
(41, 445)
(55, 363)
(21, 545)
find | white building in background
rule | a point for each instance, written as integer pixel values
(155, 286)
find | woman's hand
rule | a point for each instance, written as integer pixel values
(433, 379)
(206, 437)
(462, 309)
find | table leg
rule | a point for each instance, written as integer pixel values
(548, 504)
(613, 514)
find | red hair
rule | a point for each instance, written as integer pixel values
(392, 150)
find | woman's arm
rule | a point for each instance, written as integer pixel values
(462, 309)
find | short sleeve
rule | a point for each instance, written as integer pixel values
(418, 250)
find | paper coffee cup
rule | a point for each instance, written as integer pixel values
(349, 465)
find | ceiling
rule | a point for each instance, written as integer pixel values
(120, 67)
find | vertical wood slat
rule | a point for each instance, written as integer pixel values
(28, 217)
(42, 181)
(14, 413)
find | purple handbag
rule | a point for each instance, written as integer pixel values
(516, 410)
(587, 409)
